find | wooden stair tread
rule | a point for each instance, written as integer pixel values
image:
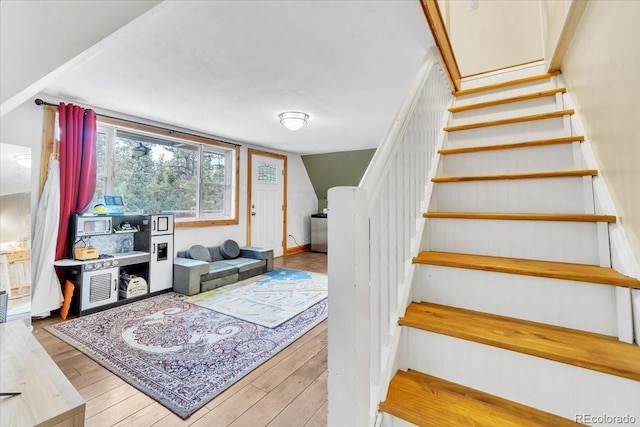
(528, 267)
(502, 101)
(515, 145)
(522, 216)
(510, 120)
(427, 400)
(584, 349)
(526, 175)
(501, 85)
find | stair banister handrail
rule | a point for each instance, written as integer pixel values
(375, 174)
(373, 230)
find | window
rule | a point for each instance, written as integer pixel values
(194, 178)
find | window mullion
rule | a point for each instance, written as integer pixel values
(228, 183)
(200, 188)
(110, 155)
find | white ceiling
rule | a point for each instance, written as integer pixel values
(227, 68)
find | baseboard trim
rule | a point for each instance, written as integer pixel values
(297, 249)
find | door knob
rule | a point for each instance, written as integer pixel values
(253, 214)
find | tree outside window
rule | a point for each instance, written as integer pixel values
(159, 174)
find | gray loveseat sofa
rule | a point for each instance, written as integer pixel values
(201, 268)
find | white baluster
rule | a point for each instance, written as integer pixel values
(374, 229)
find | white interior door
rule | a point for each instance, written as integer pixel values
(267, 203)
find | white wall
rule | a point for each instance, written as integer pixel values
(443, 5)
(15, 217)
(601, 69)
(302, 202)
(497, 34)
(39, 38)
(554, 15)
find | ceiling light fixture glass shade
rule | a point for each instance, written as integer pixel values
(293, 120)
(139, 150)
(23, 160)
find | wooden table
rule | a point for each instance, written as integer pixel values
(48, 398)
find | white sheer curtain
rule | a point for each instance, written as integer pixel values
(46, 294)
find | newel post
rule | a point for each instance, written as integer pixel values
(349, 318)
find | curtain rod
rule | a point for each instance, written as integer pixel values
(39, 101)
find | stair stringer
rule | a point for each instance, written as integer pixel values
(622, 258)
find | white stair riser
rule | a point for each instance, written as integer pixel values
(545, 104)
(558, 388)
(391, 421)
(528, 159)
(500, 76)
(543, 240)
(576, 305)
(504, 134)
(544, 195)
(506, 92)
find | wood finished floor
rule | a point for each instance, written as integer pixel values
(290, 389)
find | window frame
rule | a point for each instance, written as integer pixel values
(203, 145)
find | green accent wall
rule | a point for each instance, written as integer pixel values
(336, 169)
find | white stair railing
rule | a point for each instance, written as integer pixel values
(373, 232)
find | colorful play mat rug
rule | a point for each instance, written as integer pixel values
(269, 299)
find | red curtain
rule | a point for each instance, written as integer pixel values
(77, 167)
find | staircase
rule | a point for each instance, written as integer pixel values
(513, 319)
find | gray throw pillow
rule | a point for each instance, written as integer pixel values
(229, 249)
(200, 253)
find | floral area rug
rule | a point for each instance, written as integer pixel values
(180, 354)
(269, 299)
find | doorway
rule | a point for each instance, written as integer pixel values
(267, 202)
(15, 232)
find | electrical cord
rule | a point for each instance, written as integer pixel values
(80, 240)
(294, 239)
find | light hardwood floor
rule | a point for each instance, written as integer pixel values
(290, 389)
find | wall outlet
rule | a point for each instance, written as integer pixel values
(473, 4)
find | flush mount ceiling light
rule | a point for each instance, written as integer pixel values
(293, 120)
(23, 160)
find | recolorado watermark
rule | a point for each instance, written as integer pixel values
(588, 418)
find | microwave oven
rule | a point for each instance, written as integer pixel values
(85, 226)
